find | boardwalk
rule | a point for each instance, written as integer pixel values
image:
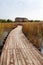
(19, 51)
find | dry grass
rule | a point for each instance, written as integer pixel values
(33, 30)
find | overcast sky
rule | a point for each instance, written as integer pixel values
(31, 9)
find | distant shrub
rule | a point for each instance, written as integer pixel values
(31, 21)
(2, 21)
(9, 20)
(37, 21)
(5, 21)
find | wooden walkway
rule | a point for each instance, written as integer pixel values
(19, 51)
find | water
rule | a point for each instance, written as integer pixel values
(42, 50)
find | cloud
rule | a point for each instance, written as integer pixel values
(27, 8)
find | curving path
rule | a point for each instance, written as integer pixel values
(19, 51)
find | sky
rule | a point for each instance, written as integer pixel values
(31, 9)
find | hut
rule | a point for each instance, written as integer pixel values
(18, 19)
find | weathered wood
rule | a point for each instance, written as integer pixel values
(19, 51)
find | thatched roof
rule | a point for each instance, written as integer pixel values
(18, 19)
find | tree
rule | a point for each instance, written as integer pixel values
(2, 20)
(9, 20)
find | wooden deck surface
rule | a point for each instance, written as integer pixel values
(19, 51)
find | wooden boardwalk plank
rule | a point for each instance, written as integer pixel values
(19, 51)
